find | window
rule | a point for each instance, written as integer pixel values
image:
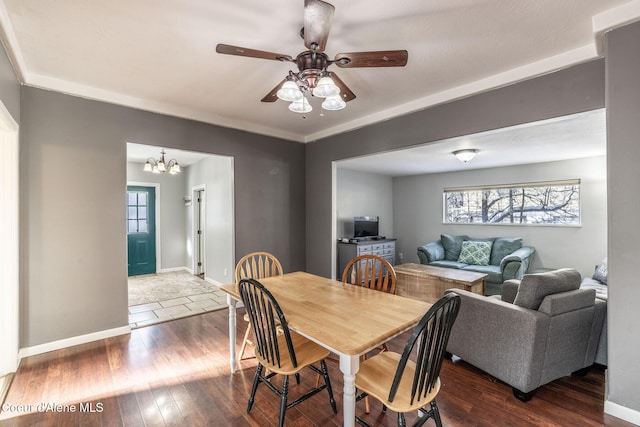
(137, 221)
(542, 203)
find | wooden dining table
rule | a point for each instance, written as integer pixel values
(346, 319)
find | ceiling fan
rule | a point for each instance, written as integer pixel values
(312, 76)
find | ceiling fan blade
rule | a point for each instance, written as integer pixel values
(252, 53)
(380, 58)
(345, 92)
(317, 23)
(272, 96)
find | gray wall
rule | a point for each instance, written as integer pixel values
(73, 263)
(623, 155)
(418, 212)
(216, 174)
(358, 194)
(172, 213)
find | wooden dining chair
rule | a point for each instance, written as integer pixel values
(373, 272)
(280, 351)
(404, 385)
(256, 265)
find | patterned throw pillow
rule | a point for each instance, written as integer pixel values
(601, 272)
(475, 252)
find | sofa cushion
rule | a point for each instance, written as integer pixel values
(448, 264)
(601, 290)
(493, 271)
(534, 287)
(601, 272)
(503, 246)
(475, 252)
(452, 246)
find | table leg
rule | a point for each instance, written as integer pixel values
(349, 365)
(232, 332)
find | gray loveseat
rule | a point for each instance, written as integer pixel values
(507, 258)
(541, 328)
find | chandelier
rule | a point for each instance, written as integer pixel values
(161, 166)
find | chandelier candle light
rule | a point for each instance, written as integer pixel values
(160, 166)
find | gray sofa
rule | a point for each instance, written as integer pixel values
(507, 258)
(598, 282)
(540, 329)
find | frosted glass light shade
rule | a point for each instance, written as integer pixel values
(301, 106)
(155, 169)
(174, 169)
(289, 92)
(161, 166)
(148, 167)
(465, 155)
(334, 103)
(325, 88)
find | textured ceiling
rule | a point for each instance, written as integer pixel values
(160, 56)
(572, 137)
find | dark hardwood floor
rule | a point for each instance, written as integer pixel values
(177, 374)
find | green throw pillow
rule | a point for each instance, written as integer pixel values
(475, 252)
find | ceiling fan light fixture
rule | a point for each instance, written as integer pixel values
(334, 103)
(289, 92)
(301, 106)
(466, 154)
(326, 88)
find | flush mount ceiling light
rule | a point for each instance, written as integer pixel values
(466, 154)
(160, 166)
(312, 77)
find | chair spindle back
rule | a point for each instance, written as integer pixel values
(431, 334)
(267, 320)
(370, 271)
(258, 265)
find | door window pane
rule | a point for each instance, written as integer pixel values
(133, 212)
(137, 212)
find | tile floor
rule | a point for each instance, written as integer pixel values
(175, 308)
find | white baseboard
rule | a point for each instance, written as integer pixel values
(213, 282)
(622, 412)
(69, 342)
(172, 269)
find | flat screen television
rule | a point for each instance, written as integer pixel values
(365, 226)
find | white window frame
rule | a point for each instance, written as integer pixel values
(557, 183)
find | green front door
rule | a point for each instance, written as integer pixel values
(141, 230)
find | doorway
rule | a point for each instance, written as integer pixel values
(9, 247)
